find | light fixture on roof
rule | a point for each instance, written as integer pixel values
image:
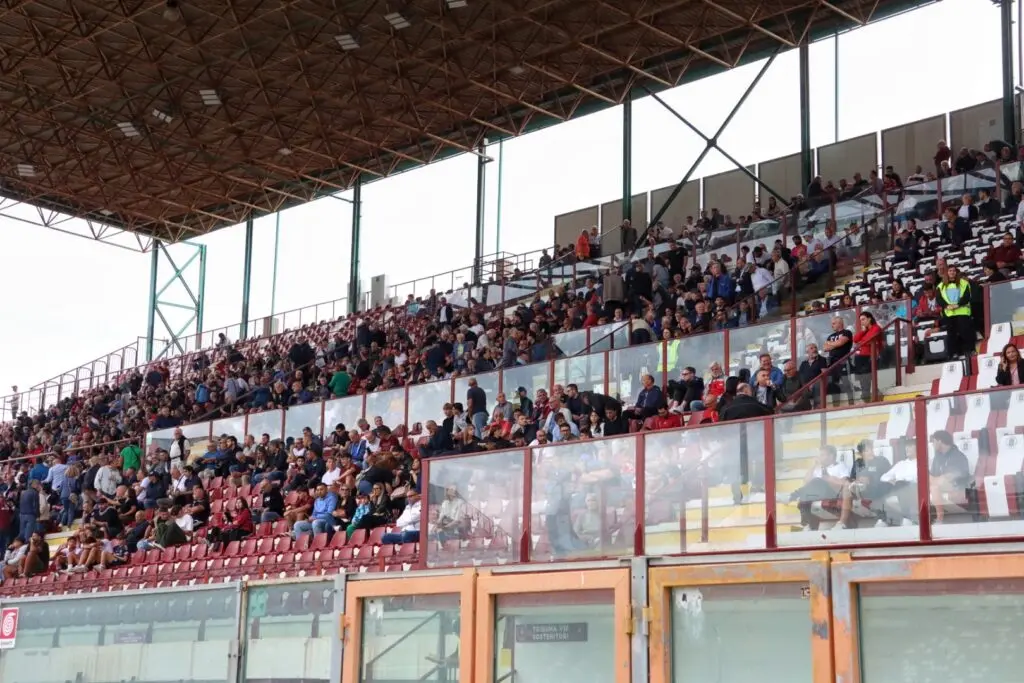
(106, 212)
(171, 10)
(285, 152)
(26, 170)
(129, 129)
(162, 116)
(397, 21)
(347, 41)
(456, 4)
(210, 97)
(517, 70)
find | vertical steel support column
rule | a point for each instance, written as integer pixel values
(201, 304)
(640, 663)
(627, 159)
(806, 163)
(1009, 115)
(481, 196)
(246, 278)
(353, 271)
(151, 320)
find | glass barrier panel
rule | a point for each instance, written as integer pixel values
(297, 418)
(846, 476)
(567, 636)
(584, 499)
(941, 630)
(196, 432)
(388, 405)
(1006, 304)
(705, 489)
(133, 636)
(702, 352)
(570, 343)
(920, 202)
(159, 439)
(489, 382)
(230, 426)
(266, 422)
(747, 344)
(290, 631)
(628, 366)
(530, 377)
(586, 372)
(344, 411)
(770, 623)
(975, 458)
(426, 402)
(410, 638)
(814, 330)
(612, 335)
(476, 509)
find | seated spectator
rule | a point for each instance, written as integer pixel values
(743, 405)
(825, 481)
(1010, 372)
(865, 483)
(452, 518)
(408, 523)
(1006, 255)
(320, 520)
(949, 474)
(666, 420)
(238, 524)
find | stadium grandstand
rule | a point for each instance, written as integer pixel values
(762, 422)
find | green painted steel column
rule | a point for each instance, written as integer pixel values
(1009, 110)
(201, 296)
(353, 272)
(151, 322)
(246, 279)
(627, 161)
(481, 217)
(806, 160)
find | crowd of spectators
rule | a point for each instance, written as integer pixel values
(83, 458)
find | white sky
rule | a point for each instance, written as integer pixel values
(68, 300)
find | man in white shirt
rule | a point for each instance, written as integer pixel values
(408, 523)
(332, 474)
(107, 478)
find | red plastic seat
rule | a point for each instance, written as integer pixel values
(153, 556)
(281, 527)
(319, 542)
(265, 546)
(376, 534)
(357, 538)
(182, 553)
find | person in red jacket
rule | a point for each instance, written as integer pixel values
(868, 340)
(665, 419)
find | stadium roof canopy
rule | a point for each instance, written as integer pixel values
(174, 118)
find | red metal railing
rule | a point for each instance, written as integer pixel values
(660, 492)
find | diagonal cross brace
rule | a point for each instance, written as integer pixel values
(715, 145)
(710, 143)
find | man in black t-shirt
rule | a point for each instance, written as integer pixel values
(837, 346)
(866, 483)
(272, 502)
(476, 407)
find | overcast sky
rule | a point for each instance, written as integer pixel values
(67, 300)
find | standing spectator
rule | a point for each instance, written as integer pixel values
(955, 293)
(28, 510)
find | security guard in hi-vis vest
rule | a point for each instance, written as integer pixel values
(955, 294)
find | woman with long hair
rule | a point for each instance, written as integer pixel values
(868, 340)
(1010, 372)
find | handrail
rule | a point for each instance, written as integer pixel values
(423, 622)
(70, 449)
(751, 299)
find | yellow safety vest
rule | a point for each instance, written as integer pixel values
(963, 286)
